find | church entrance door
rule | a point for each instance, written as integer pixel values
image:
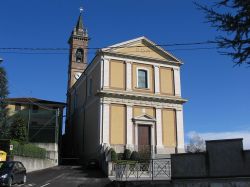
(144, 140)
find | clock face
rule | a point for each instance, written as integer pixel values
(77, 75)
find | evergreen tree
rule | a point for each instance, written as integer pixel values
(18, 129)
(232, 17)
(3, 106)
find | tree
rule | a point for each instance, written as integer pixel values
(3, 106)
(232, 17)
(18, 129)
(196, 144)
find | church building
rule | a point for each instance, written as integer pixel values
(128, 97)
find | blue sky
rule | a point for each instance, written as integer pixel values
(218, 93)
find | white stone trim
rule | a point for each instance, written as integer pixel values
(101, 123)
(129, 125)
(180, 131)
(157, 79)
(148, 62)
(143, 38)
(177, 81)
(128, 76)
(136, 135)
(102, 74)
(106, 73)
(153, 137)
(142, 103)
(106, 123)
(159, 127)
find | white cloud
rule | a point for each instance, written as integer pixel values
(225, 135)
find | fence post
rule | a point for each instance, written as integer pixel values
(152, 168)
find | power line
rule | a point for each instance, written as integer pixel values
(115, 47)
(176, 49)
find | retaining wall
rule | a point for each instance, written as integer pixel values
(34, 164)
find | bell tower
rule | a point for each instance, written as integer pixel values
(78, 42)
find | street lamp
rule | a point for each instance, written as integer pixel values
(1, 60)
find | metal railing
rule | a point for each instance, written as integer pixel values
(151, 169)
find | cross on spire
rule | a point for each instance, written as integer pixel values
(81, 9)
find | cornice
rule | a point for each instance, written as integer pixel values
(129, 56)
(141, 96)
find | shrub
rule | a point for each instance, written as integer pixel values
(135, 156)
(127, 154)
(113, 155)
(27, 150)
(120, 156)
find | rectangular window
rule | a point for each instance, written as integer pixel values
(142, 78)
(17, 107)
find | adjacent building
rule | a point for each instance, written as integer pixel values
(129, 96)
(44, 121)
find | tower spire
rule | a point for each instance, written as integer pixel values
(79, 24)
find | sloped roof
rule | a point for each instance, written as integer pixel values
(30, 100)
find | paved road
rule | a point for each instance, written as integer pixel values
(66, 176)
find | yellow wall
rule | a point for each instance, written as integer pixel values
(138, 111)
(11, 109)
(117, 74)
(167, 81)
(117, 124)
(150, 69)
(169, 127)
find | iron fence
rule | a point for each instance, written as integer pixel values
(151, 169)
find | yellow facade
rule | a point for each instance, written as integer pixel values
(167, 81)
(140, 110)
(117, 74)
(117, 124)
(169, 127)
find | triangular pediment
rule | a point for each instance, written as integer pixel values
(142, 47)
(144, 117)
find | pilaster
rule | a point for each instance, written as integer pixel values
(128, 76)
(129, 126)
(180, 131)
(177, 81)
(106, 73)
(106, 122)
(157, 79)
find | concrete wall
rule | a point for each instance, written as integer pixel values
(34, 164)
(223, 158)
(189, 165)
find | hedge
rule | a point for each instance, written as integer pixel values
(27, 150)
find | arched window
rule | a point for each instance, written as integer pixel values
(79, 55)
